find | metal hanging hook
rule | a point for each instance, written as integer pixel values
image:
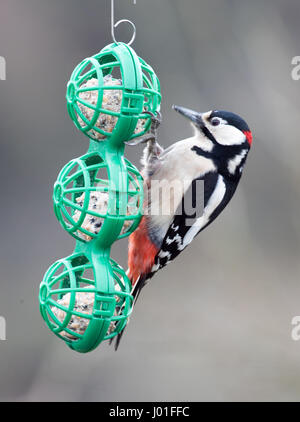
(115, 25)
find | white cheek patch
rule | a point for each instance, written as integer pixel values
(228, 135)
(200, 139)
(236, 161)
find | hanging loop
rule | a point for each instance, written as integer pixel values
(115, 25)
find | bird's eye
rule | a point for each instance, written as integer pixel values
(215, 122)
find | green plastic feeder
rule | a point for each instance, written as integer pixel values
(140, 92)
(109, 293)
(98, 199)
(93, 200)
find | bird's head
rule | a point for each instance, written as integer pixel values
(224, 135)
(220, 127)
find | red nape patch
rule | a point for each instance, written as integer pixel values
(249, 137)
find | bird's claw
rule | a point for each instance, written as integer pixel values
(156, 119)
(140, 140)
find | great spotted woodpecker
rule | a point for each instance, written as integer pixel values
(216, 155)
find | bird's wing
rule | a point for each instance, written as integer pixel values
(184, 228)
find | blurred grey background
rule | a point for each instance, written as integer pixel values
(216, 323)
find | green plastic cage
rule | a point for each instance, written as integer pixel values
(98, 197)
(91, 200)
(139, 92)
(106, 306)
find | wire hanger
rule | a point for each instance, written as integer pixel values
(115, 25)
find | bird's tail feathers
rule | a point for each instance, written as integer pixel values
(135, 293)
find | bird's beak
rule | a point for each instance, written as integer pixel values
(195, 117)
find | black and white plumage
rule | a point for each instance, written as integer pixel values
(229, 157)
(216, 155)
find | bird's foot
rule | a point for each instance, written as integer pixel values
(156, 120)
